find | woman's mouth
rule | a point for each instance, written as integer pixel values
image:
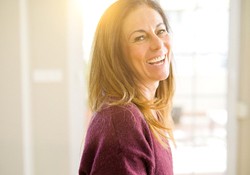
(157, 60)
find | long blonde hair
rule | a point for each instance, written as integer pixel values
(112, 78)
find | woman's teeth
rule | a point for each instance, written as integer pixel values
(156, 60)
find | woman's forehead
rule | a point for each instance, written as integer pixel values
(142, 17)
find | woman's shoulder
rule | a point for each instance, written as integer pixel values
(131, 107)
(118, 137)
(121, 119)
(116, 114)
(114, 110)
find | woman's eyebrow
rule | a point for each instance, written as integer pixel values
(143, 31)
(140, 31)
(158, 25)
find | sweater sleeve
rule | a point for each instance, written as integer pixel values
(118, 141)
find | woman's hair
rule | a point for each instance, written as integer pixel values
(111, 79)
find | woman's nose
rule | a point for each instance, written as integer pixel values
(156, 43)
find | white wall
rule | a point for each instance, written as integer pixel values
(42, 102)
(244, 92)
(239, 83)
(10, 90)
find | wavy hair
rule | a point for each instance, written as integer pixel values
(111, 79)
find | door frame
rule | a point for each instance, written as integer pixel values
(233, 54)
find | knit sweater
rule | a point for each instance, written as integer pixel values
(119, 142)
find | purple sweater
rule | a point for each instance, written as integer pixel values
(119, 142)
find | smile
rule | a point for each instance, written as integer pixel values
(157, 60)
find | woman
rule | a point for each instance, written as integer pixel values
(130, 93)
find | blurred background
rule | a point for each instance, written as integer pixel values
(44, 56)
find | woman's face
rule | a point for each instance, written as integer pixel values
(147, 45)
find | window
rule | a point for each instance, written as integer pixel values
(200, 44)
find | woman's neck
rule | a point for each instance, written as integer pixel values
(150, 90)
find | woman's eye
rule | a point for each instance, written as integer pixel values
(139, 38)
(161, 32)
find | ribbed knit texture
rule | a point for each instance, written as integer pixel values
(119, 142)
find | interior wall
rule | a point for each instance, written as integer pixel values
(10, 90)
(41, 103)
(49, 96)
(244, 92)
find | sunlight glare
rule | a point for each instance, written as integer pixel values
(92, 11)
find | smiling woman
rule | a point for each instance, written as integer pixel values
(131, 87)
(147, 48)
